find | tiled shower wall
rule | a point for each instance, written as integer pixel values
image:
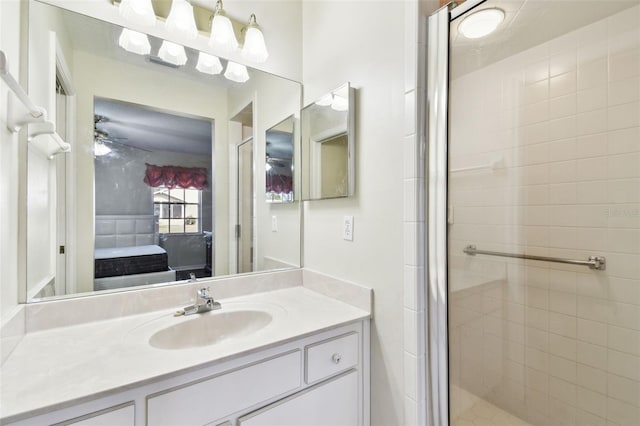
(555, 344)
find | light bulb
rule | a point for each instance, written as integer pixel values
(339, 103)
(236, 72)
(222, 35)
(181, 21)
(172, 53)
(138, 11)
(254, 48)
(134, 42)
(481, 23)
(100, 149)
(208, 64)
(325, 100)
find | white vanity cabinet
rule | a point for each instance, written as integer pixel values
(216, 397)
(321, 379)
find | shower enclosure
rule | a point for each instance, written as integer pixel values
(533, 251)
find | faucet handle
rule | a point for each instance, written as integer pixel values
(204, 292)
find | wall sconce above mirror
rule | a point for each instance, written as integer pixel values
(279, 162)
(328, 146)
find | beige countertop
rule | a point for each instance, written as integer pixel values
(52, 368)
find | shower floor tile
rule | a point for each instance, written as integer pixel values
(478, 412)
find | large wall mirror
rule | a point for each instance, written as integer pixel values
(328, 146)
(152, 190)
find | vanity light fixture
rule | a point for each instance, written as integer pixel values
(236, 72)
(181, 21)
(254, 48)
(208, 64)
(338, 100)
(222, 35)
(481, 23)
(325, 100)
(134, 42)
(172, 53)
(138, 11)
(339, 103)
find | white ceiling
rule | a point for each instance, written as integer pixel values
(153, 130)
(527, 23)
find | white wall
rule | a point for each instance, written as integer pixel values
(364, 42)
(553, 343)
(47, 31)
(10, 19)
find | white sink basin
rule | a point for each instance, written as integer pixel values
(210, 328)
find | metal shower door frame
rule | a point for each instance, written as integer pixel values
(436, 250)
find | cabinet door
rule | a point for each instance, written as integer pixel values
(217, 397)
(331, 403)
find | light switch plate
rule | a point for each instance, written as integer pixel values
(347, 228)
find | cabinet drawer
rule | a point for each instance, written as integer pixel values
(216, 397)
(331, 403)
(330, 357)
(121, 415)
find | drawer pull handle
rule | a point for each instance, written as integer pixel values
(336, 358)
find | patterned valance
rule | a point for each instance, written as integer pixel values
(174, 176)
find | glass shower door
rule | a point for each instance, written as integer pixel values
(543, 215)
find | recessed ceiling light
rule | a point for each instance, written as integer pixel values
(481, 23)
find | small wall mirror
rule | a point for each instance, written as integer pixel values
(279, 162)
(328, 146)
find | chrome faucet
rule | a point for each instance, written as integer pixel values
(204, 303)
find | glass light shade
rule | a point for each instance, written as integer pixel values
(172, 53)
(339, 103)
(236, 72)
(181, 21)
(208, 64)
(100, 149)
(138, 11)
(254, 48)
(222, 35)
(481, 23)
(134, 42)
(325, 100)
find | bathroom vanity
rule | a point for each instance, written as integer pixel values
(286, 356)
